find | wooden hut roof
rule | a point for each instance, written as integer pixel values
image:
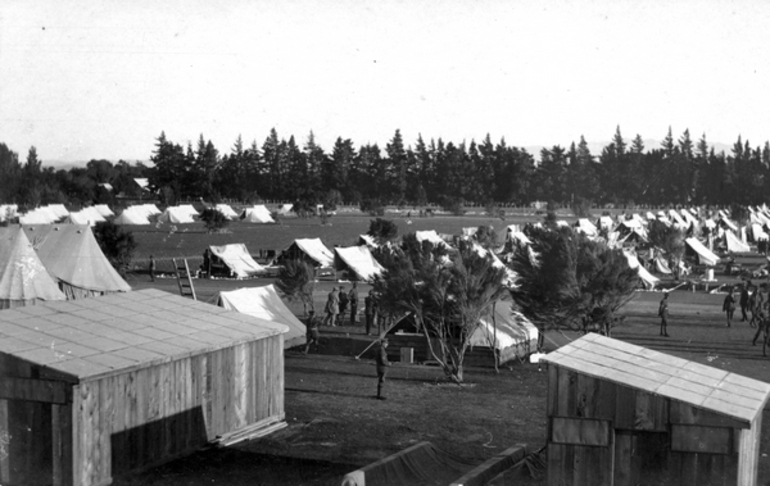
(699, 385)
(87, 339)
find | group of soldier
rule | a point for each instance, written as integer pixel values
(755, 308)
(336, 307)
(754, 302)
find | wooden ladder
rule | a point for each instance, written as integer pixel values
(183, 278)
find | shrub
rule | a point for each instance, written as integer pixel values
(214, 220)
(382, 230)
(452, 205)
(117, 244)
(372, 206)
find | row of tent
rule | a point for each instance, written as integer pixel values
(132, 215)
(185, 214)
(53, 262)
(234, 260)
(54, 213)
(356, 260)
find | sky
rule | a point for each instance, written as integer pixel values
(86, 79)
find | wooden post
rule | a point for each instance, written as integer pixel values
(61, 423)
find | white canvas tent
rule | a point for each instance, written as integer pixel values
(649, 280)
(367, 240)
(23, 278)
(72, 257)
(77, 217)
(176, 215)
(735, 245)
(758, 233)
(132, 215)
(188, 209)
(431, 236)
(227, 211)
(516, 336)
(265, 303)
(89, 216)
(729, 224)
(59, 210)
(236, 259)
(677, 219)
(661, 266)
(104, 210)
(705, 256)
(256, 214)
(149, 209)
(605, 222)
(359, 261)
(38, 216)
(586, 227)
(285, 209)
(311, 249)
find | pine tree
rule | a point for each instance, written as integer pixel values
(685, 144)
(637, 146)
(668, 144)
(396, 168)
(617, 140)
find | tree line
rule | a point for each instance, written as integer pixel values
(679, 171)
(30, 184)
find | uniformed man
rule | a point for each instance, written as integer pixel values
(382, 366)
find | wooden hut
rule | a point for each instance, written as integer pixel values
(620, 414)
(93, 388)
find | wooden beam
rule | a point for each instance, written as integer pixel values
(27, 389)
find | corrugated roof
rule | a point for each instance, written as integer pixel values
(662, 374)
(90, 338)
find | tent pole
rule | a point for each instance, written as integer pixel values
(378, 339)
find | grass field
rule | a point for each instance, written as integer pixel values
(335, 425)
(190, 240)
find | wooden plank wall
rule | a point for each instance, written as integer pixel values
(641, 445)
(148, 416)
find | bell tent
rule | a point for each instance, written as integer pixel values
(23, 278)
(73, 258)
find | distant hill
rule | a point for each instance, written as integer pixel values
(69, 164)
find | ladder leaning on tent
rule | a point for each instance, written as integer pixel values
(183, 278)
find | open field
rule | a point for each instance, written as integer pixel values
(335, 425)
(189, 240)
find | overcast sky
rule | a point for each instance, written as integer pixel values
(102, 79)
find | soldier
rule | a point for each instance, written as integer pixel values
(332, 308)
(370, 311)
(313, 333)
(353, 301)
(382, 366)
(728, 307)
(663, 314)
(744, 301)
(343, 296)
